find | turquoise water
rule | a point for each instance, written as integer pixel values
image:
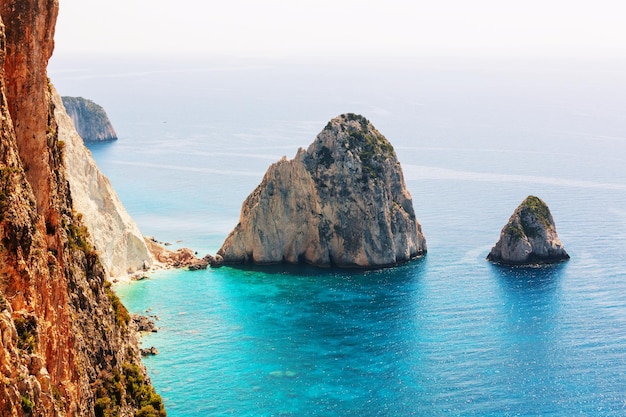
(449, 334)
(421, 339)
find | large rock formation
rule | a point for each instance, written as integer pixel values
(115, 234)
(341, 202)
(67, 344)
(529, 237)
(90, 119)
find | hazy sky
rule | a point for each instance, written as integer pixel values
(339, 27)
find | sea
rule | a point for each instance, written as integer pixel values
(449, 334)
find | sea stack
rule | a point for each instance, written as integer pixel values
(529, 237)
(90, 119)
(342, 202)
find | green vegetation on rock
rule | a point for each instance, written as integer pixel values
(326, 157)
(122, 316)
(79, 240)
(536, 206)
(515, 231)
(78, 235)
(27, 405)
(128, 387)
(529, 212)
(372, 148)
(26, 327)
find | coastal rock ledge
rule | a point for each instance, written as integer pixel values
(529, 237)
(342, 202)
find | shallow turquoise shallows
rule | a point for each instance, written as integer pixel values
(449, 334)
(402, 341)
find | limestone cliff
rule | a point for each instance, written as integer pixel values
(529, 237)
(341, 202)
(115, 234)
(66, 342)
(90, 119)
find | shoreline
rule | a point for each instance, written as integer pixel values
(163, 259)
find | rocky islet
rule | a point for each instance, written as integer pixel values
(529, 237)
(341, 202)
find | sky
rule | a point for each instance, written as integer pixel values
(328, 28)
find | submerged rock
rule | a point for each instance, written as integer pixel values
(343, 202)
(529, 237)
(151, 351)
(282, 374)
(214, 260)
(198, 264)
(143, 323)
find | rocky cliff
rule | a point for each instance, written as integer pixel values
(342, 202)
(67, 344)
(90, 119)
(529, 237)
(115, 234)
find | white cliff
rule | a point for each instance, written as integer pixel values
(115, 234)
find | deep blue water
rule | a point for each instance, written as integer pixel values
(449, 334)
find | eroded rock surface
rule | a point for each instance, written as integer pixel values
(342, 202)
(529, 237)
(144, 323)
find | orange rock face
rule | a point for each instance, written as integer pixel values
(64, 336)
(29, 27)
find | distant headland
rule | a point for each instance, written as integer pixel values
(90, 119)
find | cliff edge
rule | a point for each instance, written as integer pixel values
(67, 344)
(529, 237)
(342, 202)
(90, 119)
